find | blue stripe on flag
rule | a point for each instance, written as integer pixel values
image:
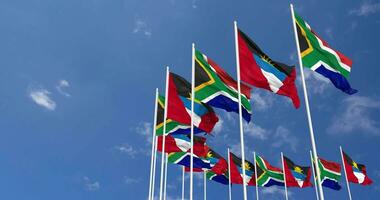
(337, 79)
(270, 68)
(331, 184)
(228, 105)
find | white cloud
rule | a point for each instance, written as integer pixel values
(316, 83)
(274, 190)
(41, 97)
(194, 4)
(356, 115)
(262, 100)
(142, 27)
(366, 8)
(145, 129)
(127, 149)
(218, 127)
(129, 180)
(283, 137)
(62, 84)
(91, 185)
(329, 32)
(256, 131)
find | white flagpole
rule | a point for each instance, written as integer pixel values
(315, 154)
(183, 183)
(164, 133)
(315, 180)
(240, 110)
(166, 175)
(204, 186)
(229, 175)
(154, 167)
(257, 185)
(283, 169)
(153, 147)
(192, 119)
(345, 173)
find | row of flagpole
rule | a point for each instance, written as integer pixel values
(163, 177)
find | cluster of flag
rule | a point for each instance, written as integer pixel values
(190, 106)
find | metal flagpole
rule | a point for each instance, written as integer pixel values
(229, 175)
(183, 183)
(204, 186)
(283, 169)
(315, 180)
(166, 174)
(257, 185)
(240, 110)
(345, 173)
(154, 167)
(153, 147)
(307, 104)
(192, 119)
(164, 133)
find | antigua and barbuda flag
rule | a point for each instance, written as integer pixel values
(259, 70)
(204, 116)
(217, 88)
(355, 172)
(296, 175)
(330, 174)
(318, 56)
(267, 175)
(236, 167)
(182, 143)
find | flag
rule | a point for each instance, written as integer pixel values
(217, 88)
(176, 109)
(220, 178)
(236, 167)
(355, 172)
(218, 163)
(317, 55)
(330, 174)
(183, 158)
(268, 175)
(182, 143)
(296, 176)
(259, 70)
(205, 117)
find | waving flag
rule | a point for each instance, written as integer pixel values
(330, 174)
(268, 175)
(259, 70)
(355, 172)
(236, 167)
(182, 143)
(296, 176)
(317, 55)
(220, 178)
(215, 87)
(183, 158)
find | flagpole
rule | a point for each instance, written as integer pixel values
(283, 168)
(307, 104)
(345, 173)
(240, 110)
(166, 174)
(192, 119)
(164, 133)
(153, 147)
(257, 185)
(229, 175)
(315, 180)
(183, 182)
(154, 167)
(204, 186)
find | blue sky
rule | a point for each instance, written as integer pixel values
(78, 78)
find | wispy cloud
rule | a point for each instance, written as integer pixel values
(42, 98)
(130, 180)
(194, 4)
(283, 137)
(256, 131)
(145, 130)
(316, 83)
(218, 127)
(356, 115)
(262, 100)
(274, 191)
(127, 149)
(91, 185)
(62, 85)
(142, 27)
(366, 8)
(329, 33)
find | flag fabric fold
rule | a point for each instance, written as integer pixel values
(259, 70)
(182, 143)
(317, 55)
(236, 167)
(330, 174)
(355, 172)
(267, 175)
